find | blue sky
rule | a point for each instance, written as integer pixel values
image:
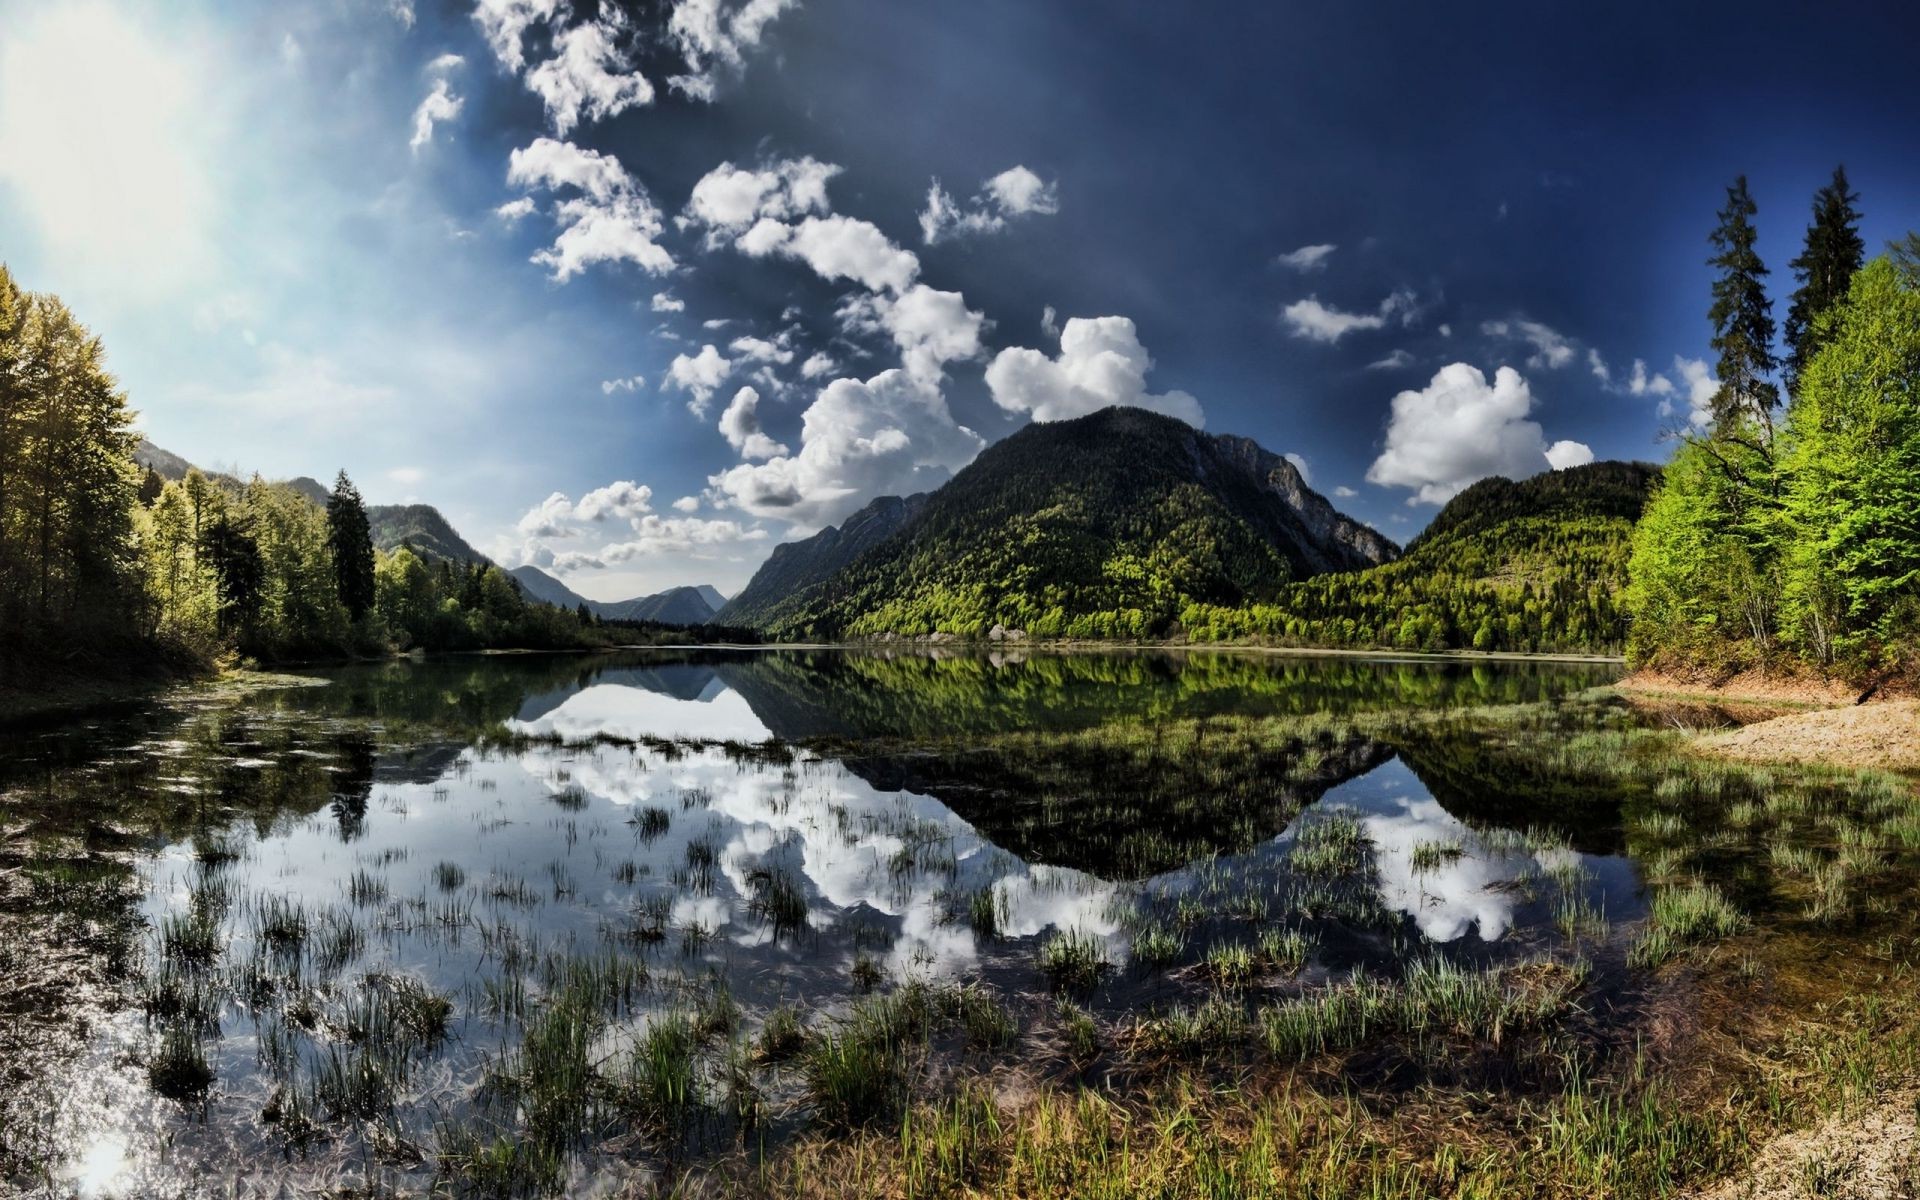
(475, 252)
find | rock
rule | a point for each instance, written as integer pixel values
(998, 633)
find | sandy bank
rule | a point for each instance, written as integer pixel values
(1883, 736)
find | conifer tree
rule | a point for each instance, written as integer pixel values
(1742, 319)
(1825, 267)
(350, 538)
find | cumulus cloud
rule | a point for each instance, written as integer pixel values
(740, 425)
(1551, 350)
(687, 504)
(763, 350)
(1319, 322)
(1345, 492)
(631, 383)
(839, 247)
(1564, 454)
(1308, 259)
(699, 375)
(1101, 363)
(1598, 366)
(504, 23)
(636, 530)
(892, 433)
(729, 200)
(513, 210)
(930, 327)
(1395, 361)
(439, 105)
(818, 364)
(666, 302)
(612, 220)
(588, 76)
(1459, 429)
(1014, 192)
(1301, 465)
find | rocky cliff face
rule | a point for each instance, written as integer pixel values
(1338, 542)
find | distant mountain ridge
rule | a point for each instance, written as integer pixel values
(1101, 526)
(423, 529)
(676, 606)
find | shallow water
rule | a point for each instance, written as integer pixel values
(688, 831)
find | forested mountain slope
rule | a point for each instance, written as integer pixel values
(1534, 565)
(1104, 526)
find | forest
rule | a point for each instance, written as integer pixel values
(105, 569)
(1785, 535)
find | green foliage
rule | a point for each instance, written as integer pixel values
(1747, 557)
(351, 541)
(1530, 566)
(1852, 496)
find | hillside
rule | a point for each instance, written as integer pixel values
(1536, 565)
(1103, 526)
(796, 566)
(421, 528)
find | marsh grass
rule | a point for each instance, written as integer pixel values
(1682, 917)
(1073, 962)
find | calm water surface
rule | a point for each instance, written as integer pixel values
(766, 828)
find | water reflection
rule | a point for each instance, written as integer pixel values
(324, 842)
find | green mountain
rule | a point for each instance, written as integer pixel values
(1536, 565)
(422, 529)
(1109, 525)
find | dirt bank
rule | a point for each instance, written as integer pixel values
(1757, 687)
(1850, 1156)
(1883, 736)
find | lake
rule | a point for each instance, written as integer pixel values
(556, 921)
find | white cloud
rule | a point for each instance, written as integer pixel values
(729, 199)
(444, 64)
(1308, 258)
(402, 11)
(612, 221)
(1301, 465)
(666, 302)
(439, 105)
(1017, 191)
(687, 504)
(740, 425)
(655, 536)
(1317, 322)
(709, 34)
(1562, 455)
(931, 328)
(1701, 387)
(588, 75)
(699, 375)
(762, 350)
(548, 519)
(1014, 192)
(892, 433)
(1345, 492)
(1050, 322)
(1395, 361)
(839, 247)
(1640, 383)
(818, 364)
(1459, 429)
(1598, 366)
(1101, 363)
(505, 22)
(1551, 350)
(631, 383)
(624, 500)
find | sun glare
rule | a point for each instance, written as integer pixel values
(98, 131)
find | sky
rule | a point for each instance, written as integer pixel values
(636, 292)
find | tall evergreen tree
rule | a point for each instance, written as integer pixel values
(1742, 319)
(350, 538)
(1825, 267)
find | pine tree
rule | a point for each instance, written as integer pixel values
(1742, 319)
(1833, 253)
(350, 538)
